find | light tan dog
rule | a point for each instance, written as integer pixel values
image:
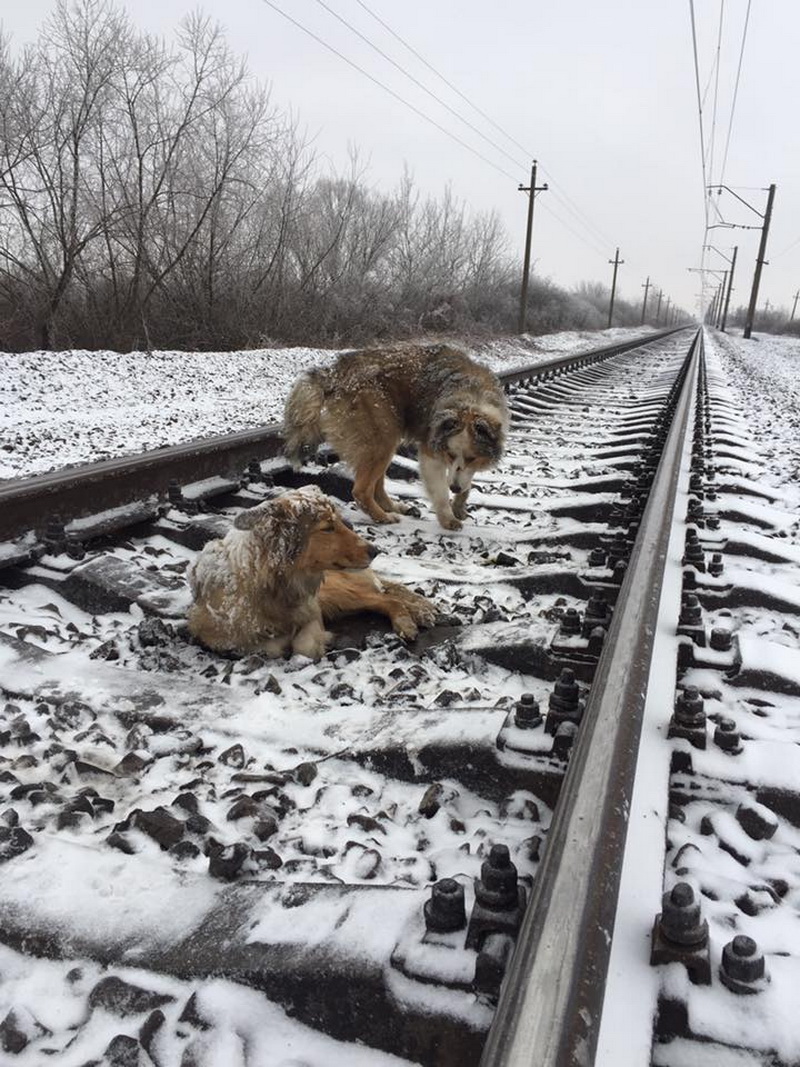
(368, 402)
(287, 566)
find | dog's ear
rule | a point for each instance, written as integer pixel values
(445, 424)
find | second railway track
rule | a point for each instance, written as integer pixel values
(393, 840)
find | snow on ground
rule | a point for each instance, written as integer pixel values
(75, 407)
(59, 409)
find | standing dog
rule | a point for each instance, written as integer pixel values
(269, 585)
(368, 402)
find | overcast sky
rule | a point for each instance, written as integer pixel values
(603, 94)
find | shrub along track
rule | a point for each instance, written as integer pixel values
(358, 838)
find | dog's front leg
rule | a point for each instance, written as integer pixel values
(312, 639)
(460, 504)
(434, 476)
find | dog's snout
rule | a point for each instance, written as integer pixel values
(455, 487)
(373, 551)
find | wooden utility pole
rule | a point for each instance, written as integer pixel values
(712, 317)
(646, 286)
(658, 306)
(617, 262)
(531, 190)
(666, 311)
(762, 248)
(794, 306)
(720, 305)
(730, 288)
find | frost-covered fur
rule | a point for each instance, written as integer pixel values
(270, 584)
(368, 402)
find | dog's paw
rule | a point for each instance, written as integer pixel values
(399, 507)
(450, 522)
(459, 508)
(312, 645)
(425, 613)
(404, 625)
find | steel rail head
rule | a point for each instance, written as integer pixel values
(29, 503)
(551, 1001)
(592, 355)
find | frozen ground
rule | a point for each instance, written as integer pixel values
(58, 409)
(76, 407)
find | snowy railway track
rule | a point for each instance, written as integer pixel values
(603, 715)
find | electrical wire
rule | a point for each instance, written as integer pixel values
(706, 192)
(441, 76)
(712, 139)
(416, 81)
(735, 93)
(391, 92)
(556, 189)
(591, 241)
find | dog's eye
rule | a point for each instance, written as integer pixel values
(330, 528)
(450, 456)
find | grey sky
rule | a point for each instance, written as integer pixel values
(602, 94)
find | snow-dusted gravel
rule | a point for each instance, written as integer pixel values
(70, 408)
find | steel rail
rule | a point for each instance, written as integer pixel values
(29, 503)
(550, 1005)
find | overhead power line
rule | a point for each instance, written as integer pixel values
(441, 76)
(559, 194)
(596, 240)
(416, 81)
(717, 65)
(387, 89)
(735, 93)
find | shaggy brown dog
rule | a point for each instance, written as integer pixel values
(368, 402)
(270, 583)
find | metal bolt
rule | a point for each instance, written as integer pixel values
(445, 911)
(742, 969)
(721, 639)
(691, 611)
(571, 622)
(596, 639)
(563, 740)
(565, 691)
(597, 558)
(727, 737)
(497, 886)
(598, 613)
(527, 714)
(55, 535)
(689, 707)
(620, 568)
(716, 565)
(681, 921)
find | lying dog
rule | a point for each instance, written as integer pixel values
(368, 402)
(270, 584)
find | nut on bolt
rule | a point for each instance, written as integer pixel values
(727, 737)
(742, 969)
(497, 886)
(445, 911)
(570, 622)
(565, 704)
(527, 714)
(680, 934)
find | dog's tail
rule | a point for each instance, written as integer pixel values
(302, 429)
